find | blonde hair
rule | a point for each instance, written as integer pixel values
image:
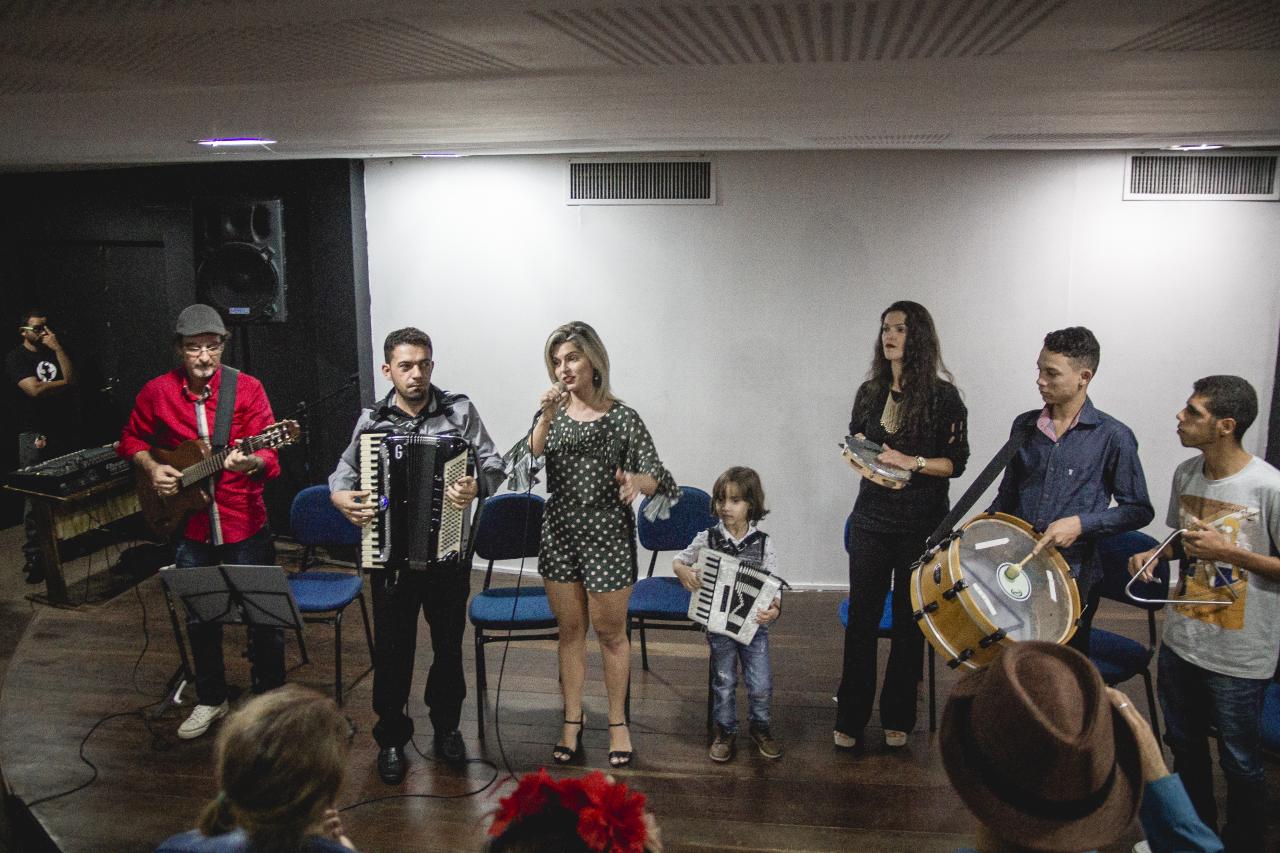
(280, 762)
(585, 339)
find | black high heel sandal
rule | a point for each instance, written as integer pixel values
(562, 754)
(620, 757)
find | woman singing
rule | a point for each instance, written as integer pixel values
(909, 405)
(599, 457)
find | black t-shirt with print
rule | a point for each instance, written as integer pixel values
(45, 414)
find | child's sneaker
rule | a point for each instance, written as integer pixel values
(722, 748)
(764, 741)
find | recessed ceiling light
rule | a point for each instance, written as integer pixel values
(1200, 146)
(234, 141)
(440, 154)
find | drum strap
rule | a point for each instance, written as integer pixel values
(978, 486)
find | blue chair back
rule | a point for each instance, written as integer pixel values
(1114, 553)
(316, 521)
(510, 526)
(688, 518)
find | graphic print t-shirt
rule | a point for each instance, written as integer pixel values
(33, 414)
(1242, 638)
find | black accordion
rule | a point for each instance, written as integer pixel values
(414, 527)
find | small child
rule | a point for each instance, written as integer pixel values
(737, 499)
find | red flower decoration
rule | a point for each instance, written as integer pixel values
(610, 816)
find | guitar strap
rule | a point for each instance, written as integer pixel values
(226, 406)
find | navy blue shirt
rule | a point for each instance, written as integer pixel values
(1079, 474)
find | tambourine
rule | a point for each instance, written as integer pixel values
(861, 455)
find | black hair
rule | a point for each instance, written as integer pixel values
(1076, 343)
(407, 335)
(1229, 397)
(922, 368)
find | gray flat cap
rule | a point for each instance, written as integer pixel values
(199, 320)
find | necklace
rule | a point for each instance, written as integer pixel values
(891, 417)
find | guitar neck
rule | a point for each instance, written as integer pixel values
(211, 465)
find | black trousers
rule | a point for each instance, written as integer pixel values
(441, 594)
(874, 558)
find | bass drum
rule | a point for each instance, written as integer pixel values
(967, 605)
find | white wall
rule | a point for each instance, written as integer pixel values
(740, 331)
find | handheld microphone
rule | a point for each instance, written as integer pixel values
(559, 386)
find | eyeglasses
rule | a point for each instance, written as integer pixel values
(196, 349)
(37, 329)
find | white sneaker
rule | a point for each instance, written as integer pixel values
(894, 738)
(201, 718)
(844, 741)
(1142, 847)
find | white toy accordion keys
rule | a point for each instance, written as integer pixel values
(415, 527)
(731, 594)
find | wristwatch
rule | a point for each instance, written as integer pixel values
(919, 463)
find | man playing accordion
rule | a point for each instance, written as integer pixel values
(416, 407)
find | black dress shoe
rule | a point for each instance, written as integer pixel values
(392, 764)
(450, 748)
(34, 572)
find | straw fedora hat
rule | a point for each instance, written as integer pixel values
(1035, 749)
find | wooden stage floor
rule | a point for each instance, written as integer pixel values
(75, 667)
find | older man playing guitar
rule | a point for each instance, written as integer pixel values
(214, 405)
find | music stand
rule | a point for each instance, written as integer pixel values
(255, 596)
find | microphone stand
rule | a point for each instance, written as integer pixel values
(303, 411)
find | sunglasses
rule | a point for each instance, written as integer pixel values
(37, 329)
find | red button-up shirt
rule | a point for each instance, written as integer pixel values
(164, 416)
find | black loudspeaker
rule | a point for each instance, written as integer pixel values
(239, 253)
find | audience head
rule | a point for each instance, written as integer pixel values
(280, 761)
(1038, 752)
(588, 814)
(1228, 397)
(747, 487)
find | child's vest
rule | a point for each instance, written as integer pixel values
(749, 550)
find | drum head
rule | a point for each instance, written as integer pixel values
(1041, 603)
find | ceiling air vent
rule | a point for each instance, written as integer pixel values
(1201, 177)
(689, 181)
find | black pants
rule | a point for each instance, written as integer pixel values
(266, 645)
(441, 594)
(29, 453)
(874, 558)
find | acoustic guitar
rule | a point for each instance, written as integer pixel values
(197, 462)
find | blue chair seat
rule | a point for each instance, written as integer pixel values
(1117, 657)
(1271, 719)
(493, 608)
(659, 598)
(317, 592)
(886, 618)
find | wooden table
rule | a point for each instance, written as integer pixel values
(59, 518)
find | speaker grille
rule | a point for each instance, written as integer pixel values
(1219, 177)
(642, 182)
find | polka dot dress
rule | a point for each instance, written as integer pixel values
(588, 534)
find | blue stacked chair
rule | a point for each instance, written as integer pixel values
(661, 602)
(509, 528)
(323, 596)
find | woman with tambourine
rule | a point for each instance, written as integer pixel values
(910, 407)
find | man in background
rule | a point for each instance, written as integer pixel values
(42, 373)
